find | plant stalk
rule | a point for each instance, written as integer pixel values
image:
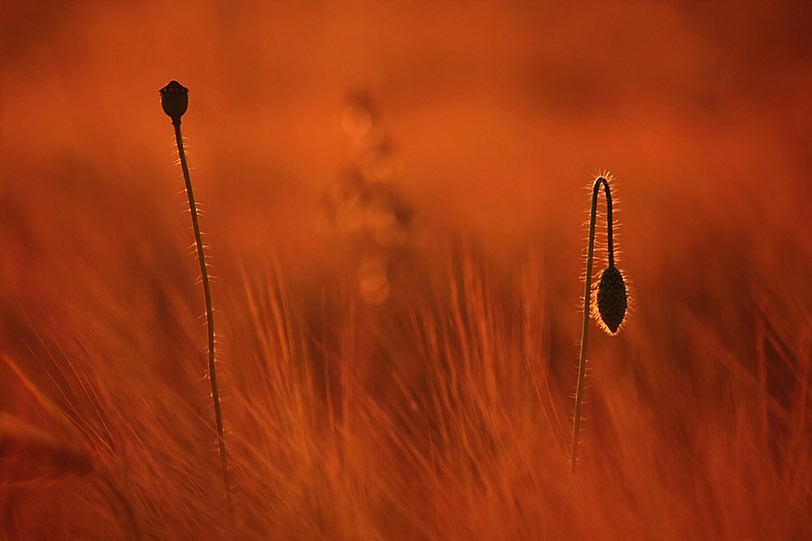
(201, 257)
(579, 391)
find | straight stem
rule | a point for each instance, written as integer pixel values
(201, 257)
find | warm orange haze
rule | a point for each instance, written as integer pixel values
(393, 200)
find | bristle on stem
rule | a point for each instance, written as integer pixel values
(174, 100)
(611, 301)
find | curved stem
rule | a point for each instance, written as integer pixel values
(201, 256)
(590, 252)
(609, 241)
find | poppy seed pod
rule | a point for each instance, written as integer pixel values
(174, 100)
(612, 298)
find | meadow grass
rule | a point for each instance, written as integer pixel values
(440, 414)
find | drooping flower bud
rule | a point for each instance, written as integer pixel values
(174, 100)
(612, 299)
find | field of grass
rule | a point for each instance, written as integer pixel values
(395, 225)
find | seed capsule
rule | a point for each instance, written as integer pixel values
(174, 100)
(612, 299)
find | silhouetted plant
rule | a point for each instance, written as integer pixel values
(611, 301)
(175, 100)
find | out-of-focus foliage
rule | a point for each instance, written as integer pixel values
(441, 409)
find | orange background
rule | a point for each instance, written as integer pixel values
(497, 116)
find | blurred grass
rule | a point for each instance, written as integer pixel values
(442, 413)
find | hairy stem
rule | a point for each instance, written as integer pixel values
(579, 391)
(204, 274)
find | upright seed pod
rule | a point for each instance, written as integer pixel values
(611, 302)
(174, 100)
